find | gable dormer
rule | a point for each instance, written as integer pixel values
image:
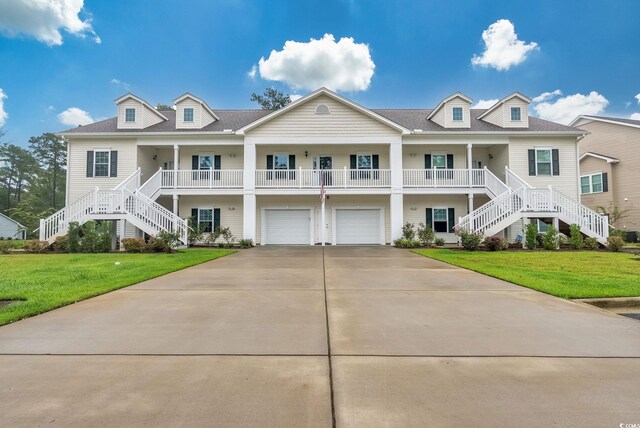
(452, 112)
(136, 113)
(192, 112)
(510, 112)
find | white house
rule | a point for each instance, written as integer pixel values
(11, 229)
(260, 172)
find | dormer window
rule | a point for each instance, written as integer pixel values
(516, 114)
(188, 115)
(457, 114)
(322, 109)
(130, 115)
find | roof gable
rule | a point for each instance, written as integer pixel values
(446, 100)
(609, 159)
(504, 100)
(198, 100)
(584, 119)
(12, 221)
(129, 95)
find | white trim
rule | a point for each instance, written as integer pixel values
(453, 114)
(535, 150)
(334, 228)
(198, 100)
(504, 100)
(108, 151)
(12, 220)
(446, 100)
(140, 100)
(184, 112)
(126, 110)
(263, 221)
(603, 157)
(591, 175)
(330, 94)
(599, 119)
(433, 218)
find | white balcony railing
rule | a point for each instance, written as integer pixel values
(333, 178)
(202, 179)
(444, 177)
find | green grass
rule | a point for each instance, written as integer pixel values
(569, 275)
(48, 281)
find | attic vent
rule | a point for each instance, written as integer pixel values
(322, 109)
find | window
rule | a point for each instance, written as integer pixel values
(188, 115)
(130, 115)
(542, 226)
(281, 161)
(440, 222)
(591, 183)
(205, 161)
(101, 163)
(457, 113)
(322, 109)
(515, 114)
(438, 161)
(205, 219)
(364, 161)
(543, 161)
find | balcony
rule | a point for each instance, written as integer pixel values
(202, 179)
(312, 179)
(451, 180)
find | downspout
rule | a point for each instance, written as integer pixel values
(578, 166)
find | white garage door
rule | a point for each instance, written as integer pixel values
(288, 226)
(361, 226)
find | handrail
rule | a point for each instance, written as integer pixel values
(493, 183)
(126, 183)
(512, 176)
(150, 187)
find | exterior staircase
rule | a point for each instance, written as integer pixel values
(520, 200)
(124, 202)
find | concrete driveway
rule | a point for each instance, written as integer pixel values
(298, 336)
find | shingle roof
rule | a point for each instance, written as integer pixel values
(236, 119)
(615, 119)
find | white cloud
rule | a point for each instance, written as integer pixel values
(125, 85)
(3, 113)
(545, 96)
(43, 19)
(637, 97)
(565, 109)
(341, 66)
(295, 97)
(485, 103)
(252, 73)
(73, 116)
(635, 116)
(502, 47)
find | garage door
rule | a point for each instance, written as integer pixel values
(360, 226)
(287, 227)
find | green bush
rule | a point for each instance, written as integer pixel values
(225, 233)
(590, 244)
(95, 238)
(211, 238)
(5, 247)
(620, 233)
(35, 246)
(576, 241)
(531, 236)
(615, 243)
(495, 243)
(165, 242)
(61, 244)
(408, 231)
(550, 239)
(195, 233)
(470, 240)
(246, 243)
(133, 245)
(73, 237)
(425, 235)
(439, 242)
(406, 243)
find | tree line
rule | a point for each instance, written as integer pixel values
(32, 179)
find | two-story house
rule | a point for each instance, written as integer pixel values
(260, 173)
(609, 157)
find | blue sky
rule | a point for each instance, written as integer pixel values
(422, 52)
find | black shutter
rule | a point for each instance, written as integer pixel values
(353, 164)
(375, 164)
(269, 166)
(217, 164)
(114, 164)
(452, 219)
(195, 165)
(449, 161)
(194, 214)
(429, 222)
(216, 218)
(532, 162)
(555, 161)
(90, 163)
(427, 161)
(292, 167)
(605, 182)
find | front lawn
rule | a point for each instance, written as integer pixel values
(566, 274)
(48, 281)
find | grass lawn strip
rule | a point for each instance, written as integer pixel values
(570, 275)
(42, 282)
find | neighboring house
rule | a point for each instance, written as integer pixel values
(11, 229)
(260, 172)
(609, 159)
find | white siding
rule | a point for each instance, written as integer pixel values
(122, 107)
(201, 116)
(340, 154)
(230, 210)
(415, 209)
(409, 161)
(439, 117)
(148, 166)
(231, 156)
(342, 121)
(448, 114)
(501, 116)
(9, 229)
(79, 183)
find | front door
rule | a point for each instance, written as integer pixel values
(321, 163)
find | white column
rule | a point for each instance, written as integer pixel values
(249, 191)
(323, 222)
(176, 199)
(469, 168)
(176, 161)
(396, 199)
(123, 230)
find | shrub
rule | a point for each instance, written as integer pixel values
(408, 231)
(576, 241)
(406, 243)
(531, 236)
(438, 242)
(73, 237)
(495, 243)
(95, 238)
(563, 240)
(61, 244)
(165, 242)
(590, 244)
(35, 246)
(211, 238)
(5, 247)
(133, 245)
(550, 239)
(246, 243)
(228, 237)
(615, 243)
(195, 233)
(470, 240)
(425, 235)
(622, 234)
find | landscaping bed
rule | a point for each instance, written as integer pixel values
(38, 283)
(566, 274)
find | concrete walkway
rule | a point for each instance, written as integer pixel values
(298, 336)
